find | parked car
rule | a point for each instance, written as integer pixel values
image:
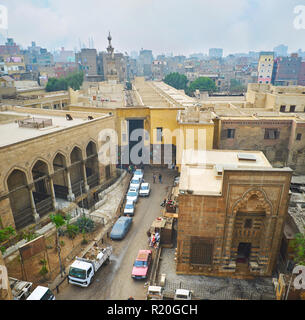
(121, 228)
(139, 174)
(182, 294)
(154, 293)
(145, 190)
(135, 183)
(141, 265)
(41, 293)
(132, 195)
(129, 209)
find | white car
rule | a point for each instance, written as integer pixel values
(41, 293)
(182, 294)
(129, 209)
(138, 174)
(132, 195)
(135, 183)
(145, 190)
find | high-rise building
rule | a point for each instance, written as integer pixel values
(281, 51)
(36, 56)
(87, 62)
(145, 63)
(10, 47)
(287, 70)
(134, 54)
(64, 56)
(216, 53)
(265, 67)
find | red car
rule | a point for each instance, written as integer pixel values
(141, 265)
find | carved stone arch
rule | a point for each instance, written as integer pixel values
(23, 170)
(95, 145)
(49, 166)
(263, 202)
(64, 154)
(83, 152)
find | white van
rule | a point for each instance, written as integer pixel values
(182, 294)
(41, 293)
(155, 293)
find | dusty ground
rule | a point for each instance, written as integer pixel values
(213, 288)
(31, 269)
(114, 282)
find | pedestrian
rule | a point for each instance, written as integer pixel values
(154, 177)
(160, 178)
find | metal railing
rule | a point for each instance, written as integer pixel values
(236, 292)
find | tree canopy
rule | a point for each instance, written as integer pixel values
(180, 82)
(176, 80)
(74, 81)
(236, 86)
(201, 84)
(299, 249)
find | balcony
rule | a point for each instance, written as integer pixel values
(93, 180)
(43, 203)
(61, 191)
(76, 188)
(23, 218)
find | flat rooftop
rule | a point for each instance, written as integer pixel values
(11, 132)
(202, 171)
(177, 96)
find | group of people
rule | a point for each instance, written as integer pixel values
(154, 240)
(155, 177)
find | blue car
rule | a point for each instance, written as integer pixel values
(121, 228)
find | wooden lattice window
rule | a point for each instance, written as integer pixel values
(201, 251)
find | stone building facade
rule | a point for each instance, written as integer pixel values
(231, 223)
(39, 166)
(280, 138)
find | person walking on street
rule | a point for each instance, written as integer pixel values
(160, 178)
(154, 177)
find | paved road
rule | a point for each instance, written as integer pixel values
(114, 282)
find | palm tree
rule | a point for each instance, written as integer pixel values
(58, 221)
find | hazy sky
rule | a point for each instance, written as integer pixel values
(164, 26)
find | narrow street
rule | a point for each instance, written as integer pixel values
(114, 282)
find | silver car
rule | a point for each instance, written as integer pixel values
(132, 195)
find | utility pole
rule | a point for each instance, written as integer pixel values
(81, 192)
(287, 293)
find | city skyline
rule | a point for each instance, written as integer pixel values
(177, 27)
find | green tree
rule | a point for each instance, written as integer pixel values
(74, 81)
(176, 80)
(58, 220)
(299, 248)
(201, 84)
(6, 234)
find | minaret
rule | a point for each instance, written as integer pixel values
(110, 49)
(110, 63)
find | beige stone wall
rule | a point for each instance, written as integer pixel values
(296, 159)
(268, 96)
(24, 155)
(250, 135)
(213, 218)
